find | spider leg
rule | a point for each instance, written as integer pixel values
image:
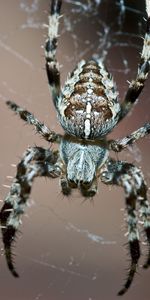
(35, 162)
(131, 179)
(52, 66)
(120, 144)
(136, 86)
(40, 127)
(145, 215)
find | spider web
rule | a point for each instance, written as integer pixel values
(69, 248)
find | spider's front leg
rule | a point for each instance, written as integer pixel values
(52, 66)
(131, 179)
(49, 135)
(35, 162)
(120, 144)
(137, 85)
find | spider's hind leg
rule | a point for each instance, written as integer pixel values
(35, 162)
(131, 179)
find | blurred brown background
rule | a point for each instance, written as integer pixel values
(56, 256)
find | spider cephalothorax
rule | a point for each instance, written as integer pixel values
(88, 110)
(82, 161)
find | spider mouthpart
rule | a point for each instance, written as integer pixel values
(88, 189)
(89, 193)
(85, 185)
(72, 184)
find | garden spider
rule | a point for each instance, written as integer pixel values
(88, 109)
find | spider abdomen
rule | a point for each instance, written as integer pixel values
(88, 106)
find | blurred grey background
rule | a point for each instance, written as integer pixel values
(69, 249)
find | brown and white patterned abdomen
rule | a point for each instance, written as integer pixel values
(88, 107)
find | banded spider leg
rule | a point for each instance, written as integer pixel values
(36, 161)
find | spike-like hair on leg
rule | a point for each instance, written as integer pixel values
(36, 162)
(8, 236)
(145, 215)
(131, 179)
(134, 250)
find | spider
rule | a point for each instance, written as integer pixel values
(88, 109)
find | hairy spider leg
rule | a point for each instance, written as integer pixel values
(137, 85)
(145, 215)
(131, 179)
(36, 161)
(41, 128)
(52, 66)
(120, 144)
